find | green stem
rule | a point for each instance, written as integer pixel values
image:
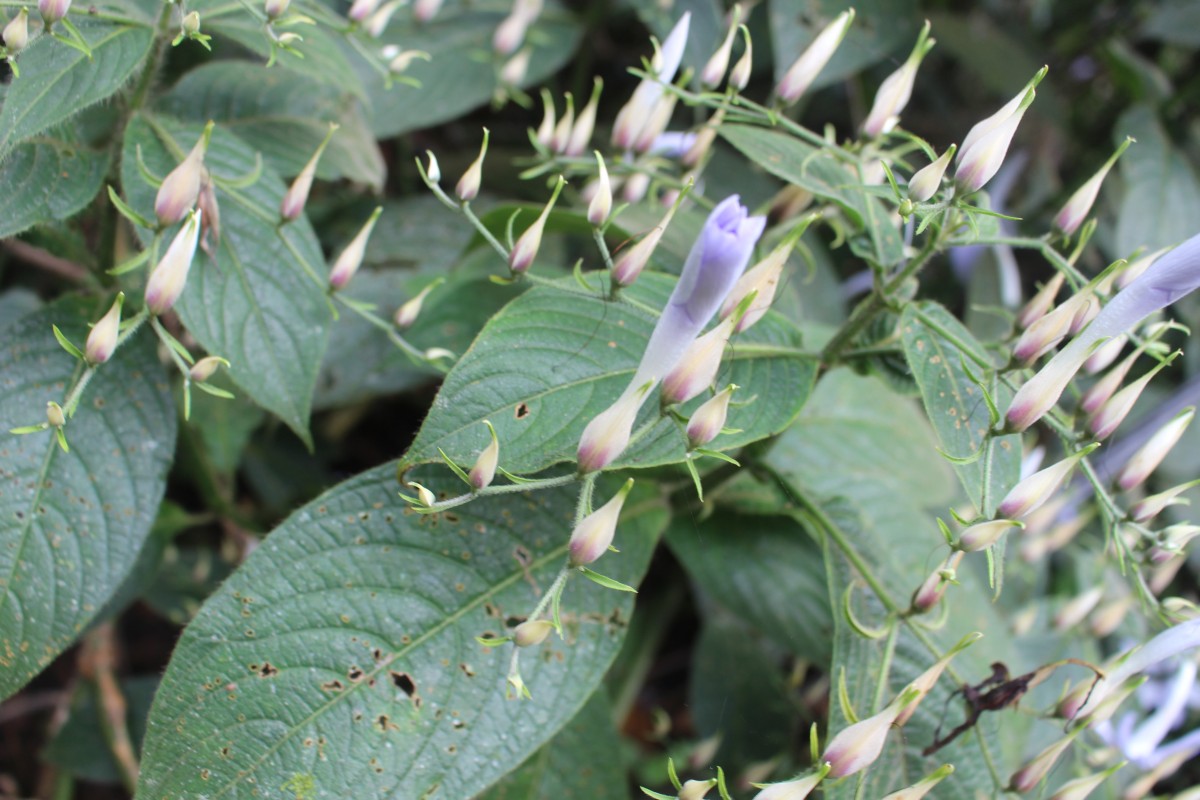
(511, 488)
(412, 352)
(153, 61)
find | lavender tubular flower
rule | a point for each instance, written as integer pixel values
(1169, 643)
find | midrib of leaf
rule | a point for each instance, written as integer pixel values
(37, 98)
(556, 554)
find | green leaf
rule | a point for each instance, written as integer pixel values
(583, 760)
(67, 176)
(880, 28)
(461, 73)
(73, 523)
(1162, 195)
(57, 81)
(765, 570)
(940, 351)
(284, 115)
(363, 616)
(555, 357)
(819, 172)
(80, 749)
(261, 302)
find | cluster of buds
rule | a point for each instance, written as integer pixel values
(641, 120)
(718, 63)
(569, 135)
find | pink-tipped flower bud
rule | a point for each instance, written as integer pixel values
(407, 314)
(1105, 421)
(808, 66)
(924, 786)
(983, 535)
(169, 276)
(926, 181)
(562, 130)
(696, 790)
(102, 341)
(1105, 354)
(635, 188)
(55, 416)
(377, 23)
(1150, 507)
(896, 90)
(532, 632)
(361, 9)
(631, 263)
(1039, 487)
(714, 69)
(425, 498)
(607, 435)
(600, 206)
(1173, 539)
(515, 70)
(859, 745)
(1041, 302)
(180, 189)
(763, 280)
(401, 60)
(594, 534)
(1039, 394)
(933, 588)
(510, 33)
(433, 172)
(351, 257)
(484, 470)
(527, 246)
(1030, 775)
(739, 76)
(585, 124)
(53, 10)
(425, 10)
(545, 131)
(923, 684)
(296, 196)
(986, 144)
(1076, 210)
(1103, 389)
(708, 420)
(468, 185)
(16, 33)
(1046, 332)
(1075, 610)
(275, 9)
(697, 369)
(795, 789)
(1151, 454)
(205, 368)
(656, 123)
(703, 142)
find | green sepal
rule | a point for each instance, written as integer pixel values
(127, 212)
(62, 439)
(605, 581)
(26, 429)
(131, 264)
(66, 343)
(656, 795)
(493, 641)
(247, 180)
(716, 454)
(455, 468)
(673, 775)
(691, 465)
(214, 391)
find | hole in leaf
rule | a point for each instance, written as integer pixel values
(268, 670)
(522, 411)
(404, 682)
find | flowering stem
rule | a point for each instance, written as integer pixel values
(602, 246)
(510, 488)
(76, 394)
(584, 506)
(408, 349)
(484, 232)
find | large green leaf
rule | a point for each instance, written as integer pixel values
(1162, 194)
(461, 73)
(58, 81)
(59, 175)
(73, 523)
(819, 172)
(556, 356)
(766, 570)
(583, 760)
(940, 352)
(284, 115)
(260, 302)
(341, 656)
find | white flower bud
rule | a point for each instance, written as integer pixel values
(859, 745)
(296, 196)
(407, 314)
(484, 470)
(191, 23)
(53, 10)
(1040, 486)
(562, 131)
(896, 89)
(986, 144)
(1109, 416)
(181, 187)
(933, 588)
(739, 76)
(983, 535)
(377, 23)
(516, 68)
(926, 181)
(527, 246)
(1041, 302)
(16, 32)
(810, 63)
(169, 276)
(1075, 610)
(600, 205)
(708, 420)
(607, 435)
(545, 131)
(923, 684)
(696, 790)
(1076, 210)
(204, 369)
(1151, 454)
(714, 70)
(275, 9)
(102, 341)
(630, 264)
(1030, 775)
(795, 789)
(468, 185)
(924, 786)
(361, 9)
(593, 535)
(54, 415)
(763, 280)
(425, 10)
(585, 124)
(532, 632)
(697, 369)
(351, 257)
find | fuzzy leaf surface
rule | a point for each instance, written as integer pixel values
(58, 177)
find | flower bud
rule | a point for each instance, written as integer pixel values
(1046, 332)
(931, 591)
(191, 23)
(859, 745)
(562, 131)
(983, 535)
(484, 470)
(1088, 310)
(1135, 270)
(377, 23)
(1174, 538)
(631, 263)
(656, 122)
(795, 789)
(739, 76)
(926, 181)
(896, 89)
(407, 314)
(714, 69)
(53, 10)
(600, 205)
(1041, 392)
(1080, 788)
(1109, 616)
(1150, 507)
(468, 185)
(763, 280)
(808, 66)
(1109, 416)
(696, 790)
(276, 8)
(181, 187)
(1105, 354)
(525, 250)
(703, 142)
(169, 276)
(425, 497)
(102, 340)
(1151, 454)
(1103, 389)
(532, 632)
(433, 172)
(1075, 610)
(607, 435)
(1076, 210)
(55, 416)
(403, 59)
(697, 369)
(632, 117)
(585, 124)
(636, 186)
(708, 420)
(1030, 775)
(1040, 486)
(361, 9)
(425, 10)
(923, 786)
(510, 33)
(986, 144)
(516, 68)
(297, 194)
(1041, 302)
(16, 33)
(204, 369)
(923, 684)
(351, 257)
(545, 131)
(594, 534)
